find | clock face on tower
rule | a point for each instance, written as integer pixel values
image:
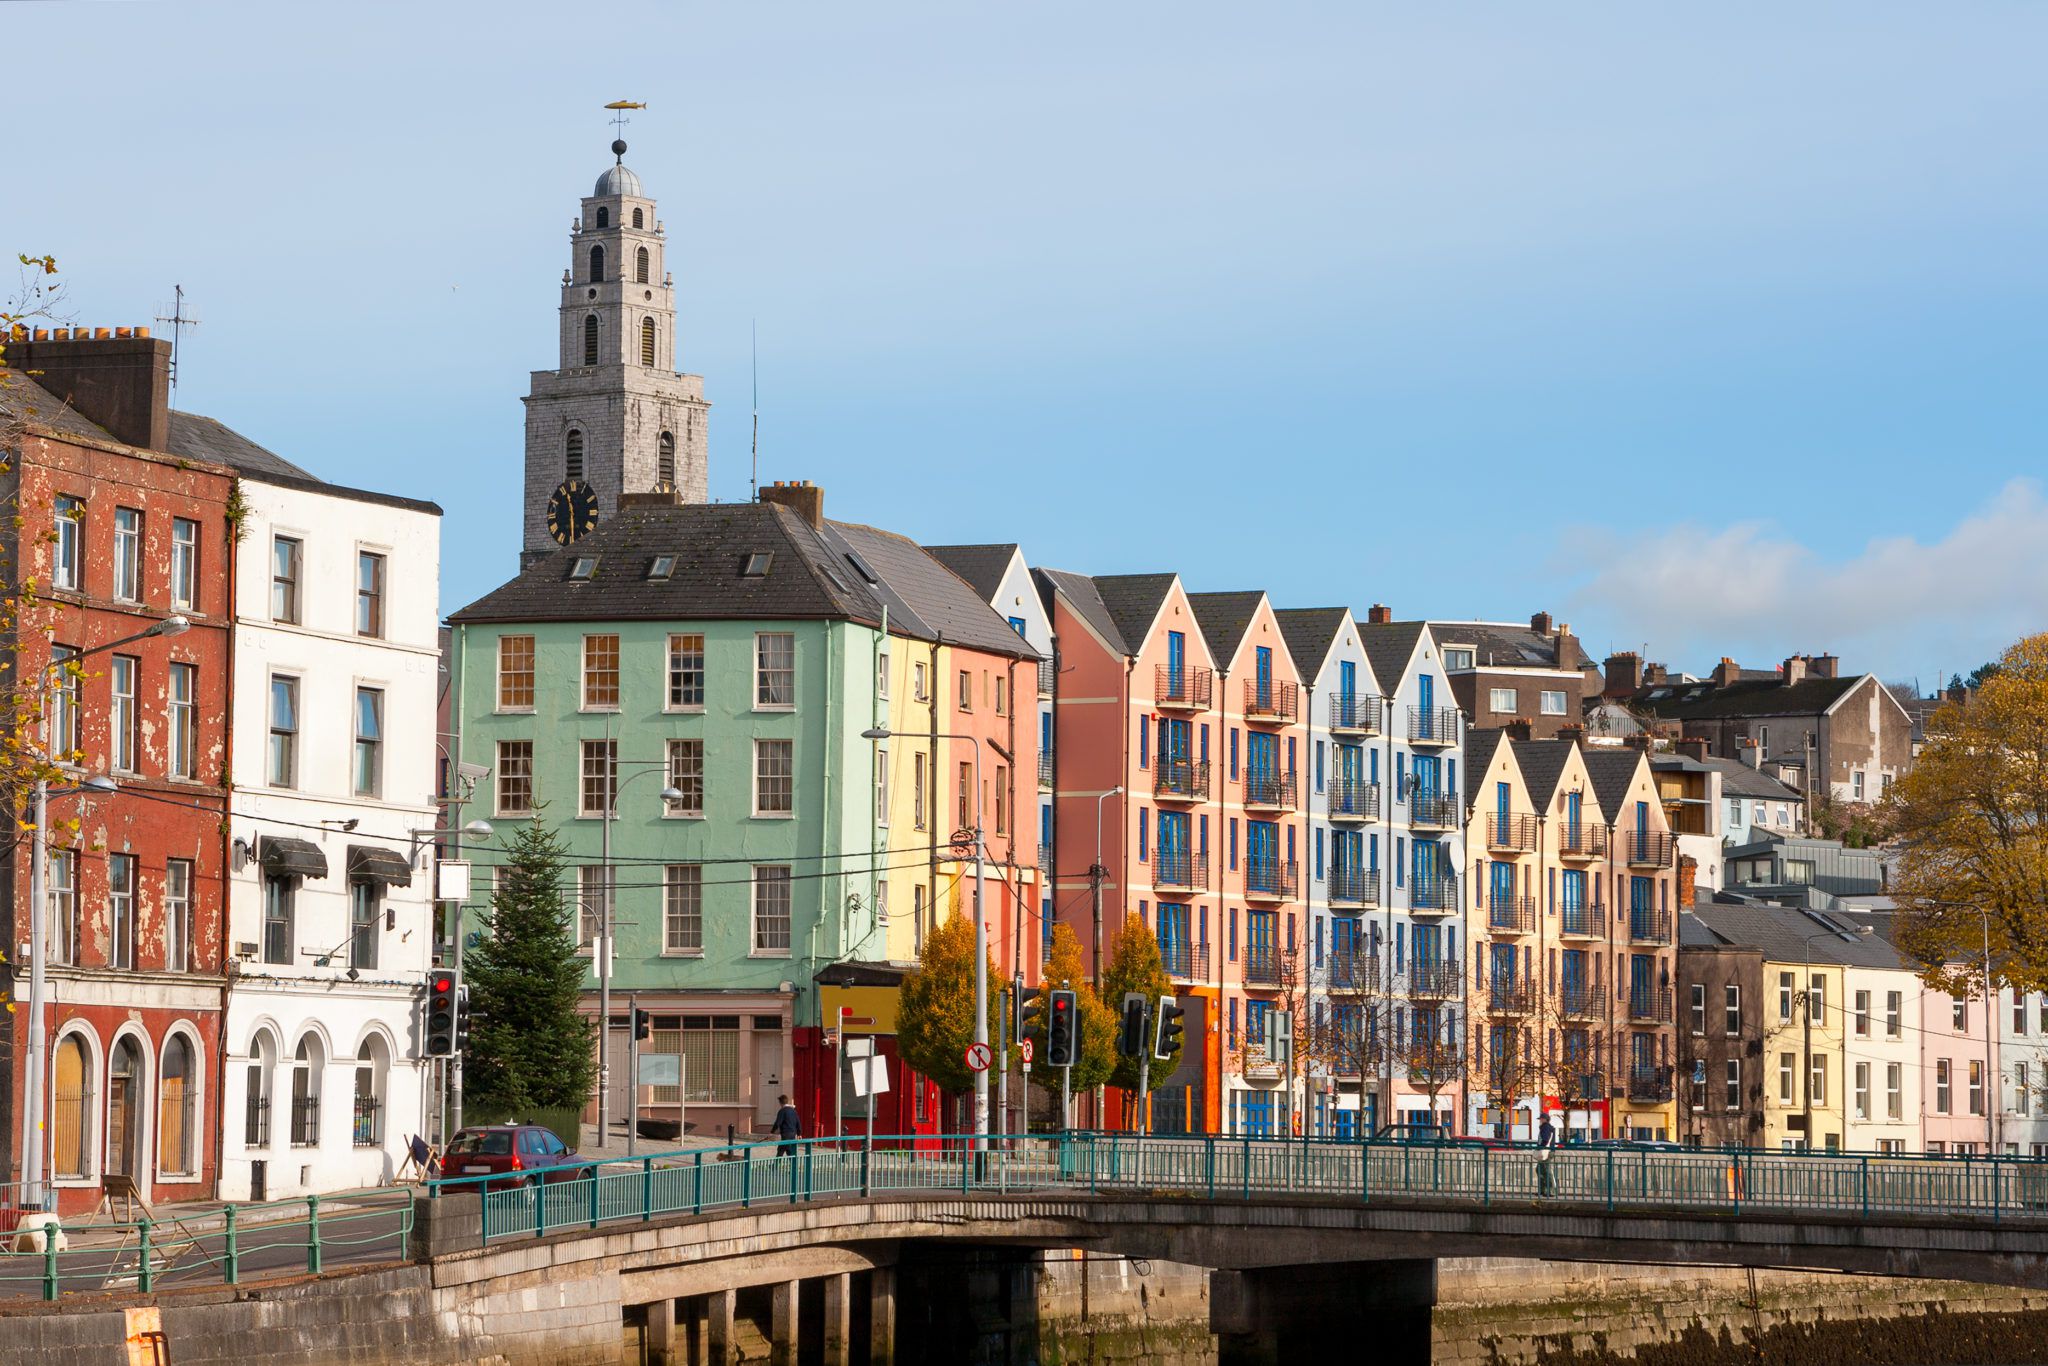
(572, 511)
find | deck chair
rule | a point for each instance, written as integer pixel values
(420, 1159)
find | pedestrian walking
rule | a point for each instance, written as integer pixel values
(787, 1127)
(1546, 1148)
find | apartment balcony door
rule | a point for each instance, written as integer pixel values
(1176, 662)
(1175, 742)
(1262, 760)
(1263, 669)
(1425, 778)
(1501, 884)
(1574, 805)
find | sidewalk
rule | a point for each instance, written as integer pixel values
(208, 1216)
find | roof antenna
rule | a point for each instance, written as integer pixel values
(179, 320)
(754, 476)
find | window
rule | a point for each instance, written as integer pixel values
(1976, 1087)
(774, 777)
(285, 555)
(1733, 1098)
(1820, 1080)
(965, 802)
(1860, 1095)
(60, 875)
(177, 1100)
(72, 1146)
(1002, 799)
(1943, 1086)
(589, 358)
(918, 683)
(515, 778)
(597, 263)
(1799, 871)
(307, 1065)
(127, 555)
(1787, 1065)
(600, 673)
(184, 563)
(600, 778)
(882, 787)
(284, 731)
(917, 796)
(604, 217)
(2019, 1013)
(882, 675)
(279, 894)
(683, 909)
(593, 907)
(1731, 1010)
(366, 1115)
(178, 915)
(1552, 703)
(1699, 1008)
(1960, 1014)
(64, 702)
(686, 775)
(1002, 695)
(64, 557)
(774, 670)
(647, 342)
(1455, 660)
(1500, 699)
(364, 910)
(771, 909)
(369, 593)
(1856, 785)
(967, 691)
(639, 260)
(124, 736)
(665, 459)
(1894, 1085)
(2022, 1096)
(636, 219)
(515, 673)
(1894, 1021)
(369, 765)
(686, 672)
(1817, 998)
(1784, 997)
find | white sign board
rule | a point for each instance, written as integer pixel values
(870, 1076)
(860, 1047)
(661, 1069)
(451, 880)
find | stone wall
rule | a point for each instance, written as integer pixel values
(1115, 1310)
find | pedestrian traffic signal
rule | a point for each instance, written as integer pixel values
(643, 1024)
(1167, 1031)
(1062, 1030)
(462, 1018)
(1030, 1012)
(1130, 1038)
(441, 1013)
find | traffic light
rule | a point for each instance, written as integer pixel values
(462, 1018)
(1166, 1033)
(1130, 1039)
(1062, 1030)
(441, 1013)
(1030, 1012)
(643, 1025)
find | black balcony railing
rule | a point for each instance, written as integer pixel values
(1184, 961)
(256, 1123)
(1180, 868)
(1185, 780)
(1045, 857)
(1048, 674)
(1271, 878)
(1650, 1005)
(1045, 771)
(1510, 996)
(306, 1121)
(1578, 1002)
(1355, 886)
(1353, 970)
(1272, 701)
(1649, 1084)
(1273, 787)
(1434, 725)
(1182, 687)
(1511, 914)
(1647, 926)
(1353, 714)
(1512, 832)
(1436, 894)
(1585, 920)
(1585, 1086)
(1650, 848)
(1432, 808)
(1354, 799)
(1434, 979)
(1264, 966)
(1582, 841)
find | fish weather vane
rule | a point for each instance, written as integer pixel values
(619, 119)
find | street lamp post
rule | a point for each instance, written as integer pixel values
(612, 787)
(480, 829)
(34, 1131)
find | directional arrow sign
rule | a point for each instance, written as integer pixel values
(978, 1057)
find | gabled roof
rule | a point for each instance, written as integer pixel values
(1612, 770)
(1508, 646)
(202, 438)
(1085, 599)
(1224, 618)
(1481, 744)
(1695, 933)
(1133, 602)
(806, 578)
(943, 601)
(1309, 633)
(1388, 647)
(983, 566)
(1746, 697)
(1790, 936)
(1740, 780)
(1543, 763)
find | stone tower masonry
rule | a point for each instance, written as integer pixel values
(617, 414)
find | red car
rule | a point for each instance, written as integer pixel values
(528, 1152)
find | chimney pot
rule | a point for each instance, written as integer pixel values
(102, 333)
(1379, 614)
(1540, 623)
(122, 383)
(807, 500)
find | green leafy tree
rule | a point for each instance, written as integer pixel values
(1136, 966)
(528, 1044)
(1097, 1021)
(935, 1017)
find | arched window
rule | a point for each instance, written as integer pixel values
(637, 221)
(177, 1101)
(372, 1064)
(640, 267)
(647, 341)
(572, 457)
(72, 1136)
(590, 340)
(125, 1106)
(256, 1111)
(596, 264)
(604, 217)
(307, 1064)
(665, 467)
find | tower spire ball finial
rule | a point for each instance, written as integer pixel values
(619, 150)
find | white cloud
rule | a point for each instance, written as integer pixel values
(1900, 607)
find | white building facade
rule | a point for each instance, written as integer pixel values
(1881, 1071)
(2023, 1059)
(330, 908)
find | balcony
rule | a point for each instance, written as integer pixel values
(1510, 996)
(1354, 886)
(1646, 926)
(1184, 962)
(1354, 715)
(1264, 966)
(1048, 673)
(1045, 858)
(1585, 921)
(1432, 810)
(1351, 970)
(1579, 1002)
(1271, 704)
(1274, 789)
(1511, 833)
(1271, 879)
(1649, 1085)
(1182, 689)
(1434, 896)
(1650, 1005)
(1650, 848)
(1434, 981)
(1434, 727)
(1511, 914)
(1585, 1086)
(1181, 780)
(1045, 771)
(1582, 841)
(1177, 868)
(1354, 799)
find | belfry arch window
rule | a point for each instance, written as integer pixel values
(604, 216)
(590, 340)
(638, 222)
(572, 456)
(665, 465)
(640, 267)
(596, 263)
(647, 341)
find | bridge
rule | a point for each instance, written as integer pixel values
(849, 1253)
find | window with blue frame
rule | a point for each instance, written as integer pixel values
(1202, 836)
(1205, 742)
(1319, 853)
(1319, 765)
(1263, 667)
(1233, 753)
(1400, 858)
(1256, 1016)
(1232, 851)
(1143, 826)
(1144, 916)
(1372, 765)
(1176, 661)
(1144, 741)
(1233, 1022)
(1230, 933)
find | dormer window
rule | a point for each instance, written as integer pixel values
(1456, 659)
(582, 568)
(604, 217)
(755, 566)
(661, 566)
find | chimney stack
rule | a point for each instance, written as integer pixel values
(800, 496)
(1693, 747)
(1518, 729)
(120, 383)
(1574, 731)
(1624, 674)
(1540, 623)
(1824, 666)
(1688, 881)
(1379, 614)
(1654, 673)
(1795, 670)
(1726, 672)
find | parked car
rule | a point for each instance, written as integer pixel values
(528, 1153)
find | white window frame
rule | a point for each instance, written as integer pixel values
(763, 672)
(678, 653)
(124, 731)
(69, 516)
(128, 554)
(1553, 701)
(761, 752)
(1496, 705)
(687, 809)
(503, 770)
(778, 874)
(608, 793)
(682, 901)
(184, 564)
(618, 673)
(284, 738)
(532, 672)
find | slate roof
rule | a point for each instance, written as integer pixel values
(807, 578)
(1308, 632)
(1612, 770)
(1389, 646)
(1224, 618)
(1694, 933)
(24, 400)
(1085, 598)
(1542, 763)
(1783, 934)
(1132, 602)
(1740, 780)
(944, 602)
(1747, 697)
(1507, 646)
(202, 438)
(1481, 744)
(983, 566)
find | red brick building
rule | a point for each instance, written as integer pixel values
(118, 532)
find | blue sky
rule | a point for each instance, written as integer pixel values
(1709, 331)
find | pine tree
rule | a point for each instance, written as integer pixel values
(1136, 966)
(528, 1045)
(935, 1016)
(1097, 1022)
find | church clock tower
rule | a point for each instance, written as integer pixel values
(617, 416)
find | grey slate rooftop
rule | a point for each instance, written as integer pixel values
(945, 604)
(1542, 763)
(1224, 618)
(1133, 602)
(203, 438)
(1506, 645)
(1789, 936)
(982, 566)
(1746, 697)
(1085, 597)
(1612, 770)
(1308, 632)
(1389, 646)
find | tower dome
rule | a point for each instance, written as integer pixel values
(616, 178)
